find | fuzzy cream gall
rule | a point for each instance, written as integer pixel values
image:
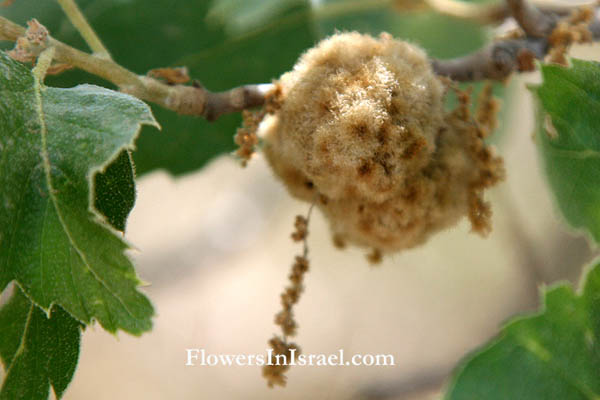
(359, 126)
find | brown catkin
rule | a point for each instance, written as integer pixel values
(246, 137)
(570, 30)
(301, 226)
(275, 374)
(360, 121)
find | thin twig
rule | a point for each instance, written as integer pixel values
(500, 59)
(189, 100)
(9, 30)
(496, 62)
(84, 28)
(534, 22)
(497, 12)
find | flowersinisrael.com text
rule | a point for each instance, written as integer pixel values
(199, 357)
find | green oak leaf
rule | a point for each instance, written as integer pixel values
(568, 117)
(37, 350)
(52, 242)
(552, 355)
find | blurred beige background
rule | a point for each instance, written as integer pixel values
(215, 246)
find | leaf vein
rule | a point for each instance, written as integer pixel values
(557, 368)
(21, 347)
(51, 191)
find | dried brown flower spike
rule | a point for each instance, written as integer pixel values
(275, 374)
(245, 137)
(360, 121)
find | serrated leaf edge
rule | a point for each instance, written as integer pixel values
(544, 290)
(21, 347)
(22, 343)
(98, 218)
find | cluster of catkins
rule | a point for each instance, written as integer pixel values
(359, 126)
